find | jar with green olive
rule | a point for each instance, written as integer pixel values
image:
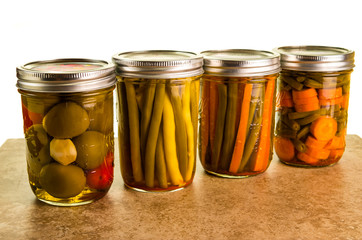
(312, 104)
(67, 107)
(158, 94)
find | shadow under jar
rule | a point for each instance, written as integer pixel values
(312, 104)
(67, 109)
(237, 111)
(158, 97)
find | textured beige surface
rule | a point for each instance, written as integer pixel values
(283, 203)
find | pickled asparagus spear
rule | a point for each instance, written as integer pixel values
(170, 146)
(230, 132)
(220, 122)
(153, 134)
(181, 135)
(134, 132)
(161, 171)
(189, 131)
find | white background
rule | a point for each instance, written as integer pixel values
(40, 30)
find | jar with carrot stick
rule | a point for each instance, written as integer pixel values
(312, 104)
(158, 100)
(237, 111)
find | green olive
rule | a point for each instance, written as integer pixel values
(101, 116)
(63, 151)
(40, 104)
(91, 149)
(100, 111)
(62, 181)
(35, 163)
(66, 120)
(36, 138)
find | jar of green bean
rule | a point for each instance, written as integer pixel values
(312, 104)
(158, 98)
(237, 111)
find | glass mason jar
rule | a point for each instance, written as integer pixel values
(312, 104)
(67, 109)
(158, 96)
(237, 111)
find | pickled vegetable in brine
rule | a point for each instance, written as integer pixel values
(236, 130)
(157, 132)
(312, 109)
(69, 145)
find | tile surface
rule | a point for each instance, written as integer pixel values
(282, 203)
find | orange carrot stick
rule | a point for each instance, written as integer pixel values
(262, 156)
(324, 128)
(204, 128)
(241, 136)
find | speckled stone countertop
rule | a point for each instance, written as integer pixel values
(282, 203)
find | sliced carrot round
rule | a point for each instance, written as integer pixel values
(307, 107)
(317, 153)
(324, 128)
(284, 148)
(336, 154)
(332, 101)
(309, 100)
(306, 158)
(312, 141)
(329, 93)
(336, 143)
(305, 93)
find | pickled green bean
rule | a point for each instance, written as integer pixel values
(308, 119)
(153, 134)
(147, 105)
(255, 98)
(181, 136)
(161, 171)
(298, 115)
(293, 83)
(299, 145)
(134, 132)
(194, 102)
(303, 132)
(291, 123)
(230, 122)
(219, 129)
(253, 136)
(124, 132)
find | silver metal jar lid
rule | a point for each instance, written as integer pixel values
(158, 64)
(240, 62)
(315, 58)
(66, 75)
